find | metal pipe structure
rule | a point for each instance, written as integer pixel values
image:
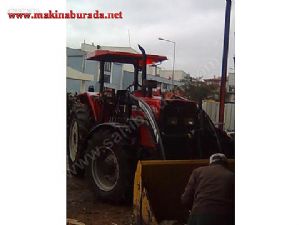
(101, 77)
(144, 69)
(136, 76)
(173, 71)
(224, 64)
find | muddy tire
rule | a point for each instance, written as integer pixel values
(111, 167)
(80, 124)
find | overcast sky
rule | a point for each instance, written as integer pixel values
(197, 27)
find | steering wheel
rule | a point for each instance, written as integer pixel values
(131, 85)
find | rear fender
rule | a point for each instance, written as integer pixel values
(146, 137)
(120, 131)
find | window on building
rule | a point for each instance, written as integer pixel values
(106, 78)
(231, 88)
(107, 66)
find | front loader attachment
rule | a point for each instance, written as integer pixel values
(158, 186)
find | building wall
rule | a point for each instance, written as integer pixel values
(73, 85)
(91, 67)
(75, 58)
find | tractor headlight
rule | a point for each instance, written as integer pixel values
(172, 121)
(189, 121)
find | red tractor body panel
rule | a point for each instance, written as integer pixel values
(101, 114)
(92, 100)
(145, 137)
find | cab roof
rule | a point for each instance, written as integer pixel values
(123, 57)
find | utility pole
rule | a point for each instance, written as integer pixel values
(224, 64)
(174, 49)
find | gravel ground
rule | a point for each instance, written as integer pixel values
(82, 206)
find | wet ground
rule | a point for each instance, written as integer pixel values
(82, 206)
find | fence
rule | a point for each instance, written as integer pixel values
(212, 109)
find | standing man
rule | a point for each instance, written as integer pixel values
(210, 193)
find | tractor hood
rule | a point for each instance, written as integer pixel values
(176, 105)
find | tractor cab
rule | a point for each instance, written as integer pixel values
(110, 99)
(139, 61)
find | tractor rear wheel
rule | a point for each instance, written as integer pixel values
(111, 167)
(80, 124)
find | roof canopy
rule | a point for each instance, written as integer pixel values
(123, 57)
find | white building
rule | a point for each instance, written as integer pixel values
(178, 74)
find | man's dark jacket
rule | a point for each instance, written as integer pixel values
(210, 190)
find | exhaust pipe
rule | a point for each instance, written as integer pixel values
(144, 69)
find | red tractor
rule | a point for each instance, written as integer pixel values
(109, 131)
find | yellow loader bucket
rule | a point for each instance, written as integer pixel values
(158, 186)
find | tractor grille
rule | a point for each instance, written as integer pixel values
(178, 117)
(177, 125)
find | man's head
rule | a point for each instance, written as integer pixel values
(218, 158)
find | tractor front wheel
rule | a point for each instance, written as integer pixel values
(111, 167)
(80, 123)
